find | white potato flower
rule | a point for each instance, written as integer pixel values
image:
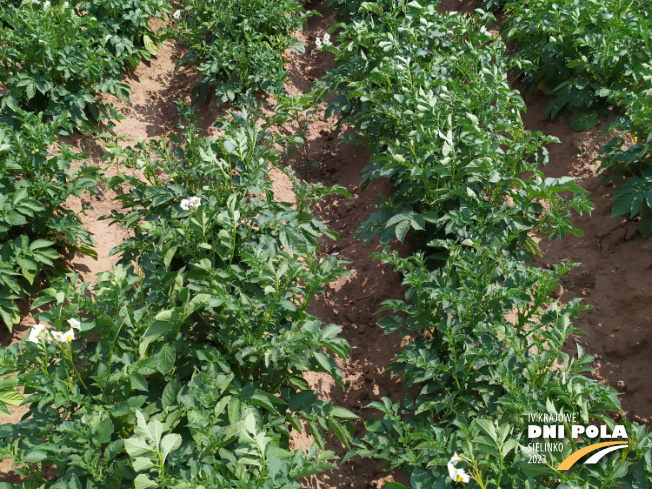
(191, 203)
(74, 324)
(318, 43)
(458, 475)
(69, 335)
(177, 15)
(66, 337)
(37, 332)
(195, 202)
(455, 459)
(46, 5)
(327, 39)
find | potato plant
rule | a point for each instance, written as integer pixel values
(594, 57)
(579, 53)
(45, 69)
(238, 46)
(632, 165)
(432, 91)
(34, 227)
(130, 20)
(428, 94)
(183, 366)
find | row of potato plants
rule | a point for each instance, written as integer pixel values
(51, 82)
(594, 57)
(35, 227)
(428, 94)
(57, 57)
(46, 72)
(183, 366)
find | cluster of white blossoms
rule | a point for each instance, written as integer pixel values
(326, 42)
(177, 15)
(191, 203)
(40, 332)
(458, 475)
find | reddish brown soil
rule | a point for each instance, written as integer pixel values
(352, 301)
(615, 271)
(614, 276)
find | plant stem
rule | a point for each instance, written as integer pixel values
(161, 467)
(74, 369)
(262, 470)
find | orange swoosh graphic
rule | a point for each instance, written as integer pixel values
(574, 457)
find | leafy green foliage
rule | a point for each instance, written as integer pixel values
(633, 161)
(45, 69)
(130, 21)
(593, 57)
(431, 91)
(477, 372)
(428, 94)
(346, 10)
(239, 46)
(580, 52)
(188, 367)
(290, 111)
(34, 226)
(635, 198)
(492, 5)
